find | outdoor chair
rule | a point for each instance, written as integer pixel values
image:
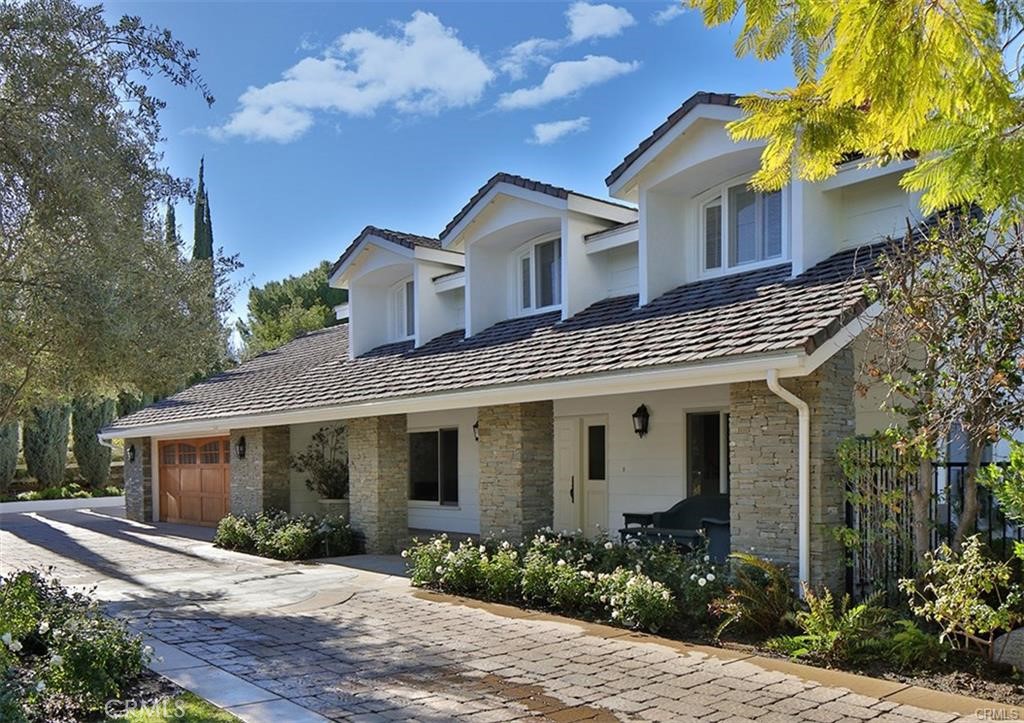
(684, 524)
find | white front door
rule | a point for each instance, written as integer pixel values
(581, 474)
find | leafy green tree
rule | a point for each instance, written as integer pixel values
(45, 442)
(279, 311)
(8, 453)
(939, 81)
(90, 414)
(202, 237)
(1007, 484)
(91, 296)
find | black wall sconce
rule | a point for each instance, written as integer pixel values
(240, 448)
(476, 430)
(131, 452)
(641, 420)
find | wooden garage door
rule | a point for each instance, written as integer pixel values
(195, 480)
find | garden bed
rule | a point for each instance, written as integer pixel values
(748, 605)
(281, 536)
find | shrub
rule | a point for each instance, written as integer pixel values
(913, 648)
(462, 572)
(325, 461)
(759, 600)
(69, 491)
(834, 631)
(45, 443)
(89, 415)
(426, 560)
(970, 596)
(63, 658)
(636, 601)
(284, 537)
(8, 454)
(502, 576)
(701, 583)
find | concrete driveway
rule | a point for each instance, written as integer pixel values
(290, 642)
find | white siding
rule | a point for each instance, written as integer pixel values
(621, 269)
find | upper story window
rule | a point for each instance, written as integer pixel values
(539, 276)
(741, 226)
(403, 310)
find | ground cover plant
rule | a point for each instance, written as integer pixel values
(61, 658)
(71, 490)
(287, 537)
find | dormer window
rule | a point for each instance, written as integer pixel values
(403, 311)
(539, 276)
(740, 226)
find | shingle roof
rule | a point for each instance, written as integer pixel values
(700, 98)
(758, 312)
(521, 182)
(409, 240)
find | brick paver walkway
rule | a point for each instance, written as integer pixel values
(354, 646)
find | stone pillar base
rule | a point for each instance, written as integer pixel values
(378, 464)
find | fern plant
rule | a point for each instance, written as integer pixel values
(760, 599)
(834, 630)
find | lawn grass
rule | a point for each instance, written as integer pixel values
(183, 708)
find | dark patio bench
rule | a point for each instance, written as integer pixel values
(684, 524)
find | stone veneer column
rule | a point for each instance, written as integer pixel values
(260, 482)
(138, 480)
(378, 470)
(516, 468)
(763, 467)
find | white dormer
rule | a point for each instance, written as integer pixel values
(526, 251)
(392, 297)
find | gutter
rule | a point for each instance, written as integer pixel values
(804, 475)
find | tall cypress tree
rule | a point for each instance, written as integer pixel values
(202, 240)
(45, 442)
(8, 453)
(90, 414)
(170, 226)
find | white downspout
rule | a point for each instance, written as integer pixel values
(804, 480)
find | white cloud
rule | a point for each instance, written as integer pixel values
(422, 68)
(529, 52)
(565, 79)
(545, 133)
(669, 13)
(588, 21)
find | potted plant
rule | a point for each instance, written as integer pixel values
(325, 462)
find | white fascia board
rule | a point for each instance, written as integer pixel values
(708, 111)
(440, 256)
(341, 275)
(857, 172)
(502, 189)
(450, 282)
(601, 209)
(841, 338)
(613, 238)
(695, 375)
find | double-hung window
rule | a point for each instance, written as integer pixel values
(403, 310)
(539, 276)
(434, 466)
(741, 226)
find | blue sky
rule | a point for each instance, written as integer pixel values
(332, 116)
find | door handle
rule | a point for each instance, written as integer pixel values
(572, 488)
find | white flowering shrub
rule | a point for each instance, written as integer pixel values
(287, 537)
(426, 560)
(635, 600)
(62, 659)
(501, 573)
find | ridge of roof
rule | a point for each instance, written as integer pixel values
(522, 182)
(409, 240)
(702, 97)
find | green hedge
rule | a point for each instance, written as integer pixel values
(284, 537)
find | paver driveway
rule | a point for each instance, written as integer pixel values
(352, 645)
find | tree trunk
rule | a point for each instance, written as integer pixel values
(921, 499)
(969, 514)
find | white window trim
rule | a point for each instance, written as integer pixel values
(399, 322)
(528, 250)
(720, 193)
(437, 504)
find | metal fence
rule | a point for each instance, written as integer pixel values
(883, 521)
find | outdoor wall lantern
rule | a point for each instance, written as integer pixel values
(240, 448)
(131, 452)
(641, 420)
(476, 430)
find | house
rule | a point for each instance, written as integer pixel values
(552, 358)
